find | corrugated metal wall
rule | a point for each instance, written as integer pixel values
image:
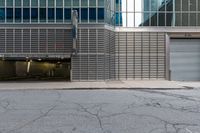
(27, 41)
(140, 55)
(95, 59)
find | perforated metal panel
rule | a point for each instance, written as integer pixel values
(140, 55)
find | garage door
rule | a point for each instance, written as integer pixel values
(185, 59)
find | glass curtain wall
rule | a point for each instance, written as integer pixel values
(137, 13)
(51, 11)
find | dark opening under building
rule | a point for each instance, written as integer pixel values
(116, 39)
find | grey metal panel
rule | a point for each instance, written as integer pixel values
(2, 40)
(18, 41)
(26, 40)
(185, 59)
(42, 41)
(9, 40)
(34, 40)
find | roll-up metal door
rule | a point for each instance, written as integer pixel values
(185, 59)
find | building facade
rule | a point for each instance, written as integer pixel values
(116, 39)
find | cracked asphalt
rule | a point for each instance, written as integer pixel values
(100, 111)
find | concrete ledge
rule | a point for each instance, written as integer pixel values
(98, 85)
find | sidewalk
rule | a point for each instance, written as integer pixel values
(99, 85)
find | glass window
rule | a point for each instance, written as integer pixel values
(51, 3)
(161, 19)
(130, 21)
(51, 15)
(26, 2)
(2, 14)
(9, 2)
(100, 14)
(193, 19)
(68, 3)
(17, 2)
(59, 3)
(138, 19)
(75, 2)
(84, 15)
(130, 5)
(59, 14)
(153, 18)
(92, 2)
(138, 5)
(9, 15)
(42, 3)
(2, 2)
(18, 14)
(34, 2)
(67, 14)
(84, 3)
(92, 14)
(42, 14)
(34, 14)
(26, 14)
(101, 3)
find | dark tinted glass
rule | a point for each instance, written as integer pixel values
(84, 14)
(59, 14)
(9, 14)
(34, 14)
(51, 15)
(42, 14)
(26, 14)
(18, 14)
(100, 13)
(2, 14)
(92, 12)
(77, 9)
(67, 13)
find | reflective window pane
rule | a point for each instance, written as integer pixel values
(138, 19)
(9, 2)
(42, 14)
(34, 14)
(18, 14)
(51, 15)
(138, 6)
(92, 14)
(9, 15)
(59, 3)
(42, 3)
(100, 14)
(17, 2)
(84, 15)
(67, 14)
(130, 5)
(26, 3)
(75, 2)
(2, 14)
(34, 2)
(67, 3)
(2, 3)
(101, 3)
(51, 3)
(84, 3)
(130, 21)
(26, 14)
(59, 14)
(92, 2)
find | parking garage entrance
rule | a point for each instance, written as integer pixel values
(35, 69)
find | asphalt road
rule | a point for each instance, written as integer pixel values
(100, 111)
